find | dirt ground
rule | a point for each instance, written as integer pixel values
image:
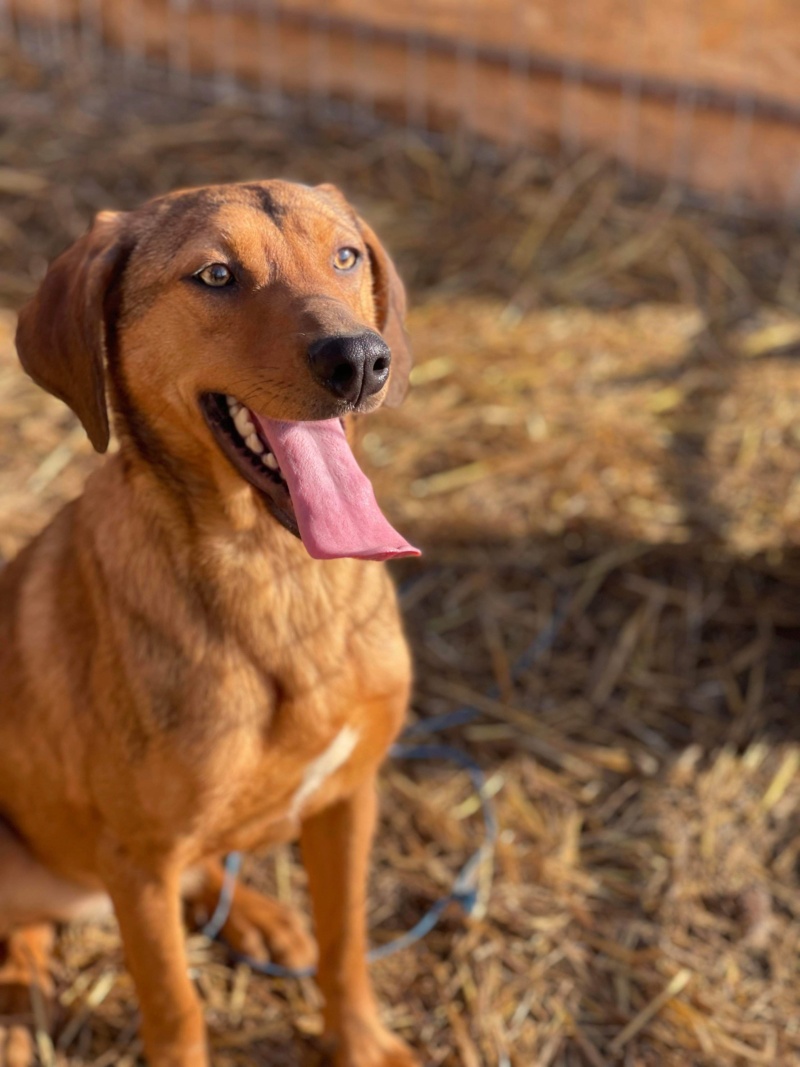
(600, 451)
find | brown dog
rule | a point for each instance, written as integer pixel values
(191, 659)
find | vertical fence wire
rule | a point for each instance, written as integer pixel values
(686, 102)
(466, 63)
(416, 82)
(225, 79)
(133, 44)
(570, 123)
(630, 103)
(270, 67)
(90, 36)
(742, 132)
(24, 35)
(319, 67)
(179, 68)
(53, 38)
(363, 63)
(518, 73)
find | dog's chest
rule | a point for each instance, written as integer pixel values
(292, 718)
(265, 776)
(322, 768)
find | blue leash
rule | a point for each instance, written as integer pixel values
(464, 891)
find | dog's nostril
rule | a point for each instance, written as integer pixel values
(338, 364)
(381, 364)
(343, 375)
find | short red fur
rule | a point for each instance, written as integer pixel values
(180, 677)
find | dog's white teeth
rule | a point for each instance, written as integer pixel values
(247, 431)
(254, 443)
(244, 423)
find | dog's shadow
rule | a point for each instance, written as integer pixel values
(649, 811)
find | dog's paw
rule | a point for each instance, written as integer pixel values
(264, 929)
(373, 1046)
(24, 977)
(16, 1046)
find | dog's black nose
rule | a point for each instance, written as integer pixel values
(351, 367)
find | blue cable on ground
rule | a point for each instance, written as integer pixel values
(464, 890)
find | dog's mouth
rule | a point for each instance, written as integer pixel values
(309, 479)
(235, 432)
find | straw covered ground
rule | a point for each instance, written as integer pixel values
(601, 450)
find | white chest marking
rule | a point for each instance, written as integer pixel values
(335, 756)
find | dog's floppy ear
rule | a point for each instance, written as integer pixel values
(390, 305)
(61, 331)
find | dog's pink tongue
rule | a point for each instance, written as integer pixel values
(333, 499)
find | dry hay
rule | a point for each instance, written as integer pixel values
(600, 446)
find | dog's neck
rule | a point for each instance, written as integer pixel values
(221, 563)
(195, 504)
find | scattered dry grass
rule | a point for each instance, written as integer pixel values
(602, 432)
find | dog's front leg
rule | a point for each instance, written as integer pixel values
(336, 845)
(147, 901)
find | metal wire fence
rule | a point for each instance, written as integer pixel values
(704, 96)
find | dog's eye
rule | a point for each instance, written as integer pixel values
(346, 258)
(216, 275)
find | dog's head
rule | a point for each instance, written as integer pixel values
(235, 327)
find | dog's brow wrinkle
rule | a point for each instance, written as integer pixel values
(268, 204)
(199, 203)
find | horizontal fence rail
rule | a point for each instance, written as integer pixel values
(704, 96)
